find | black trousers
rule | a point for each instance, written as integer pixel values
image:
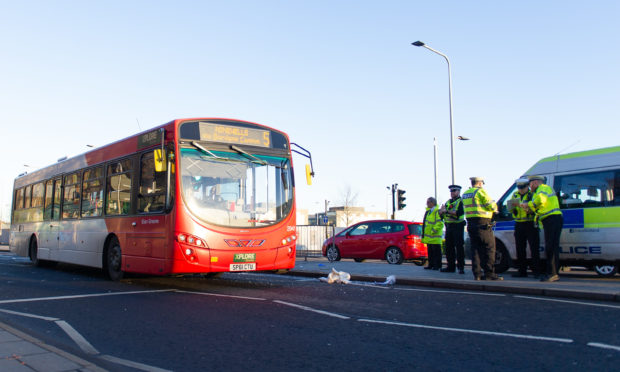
(434, 256)
(454, 245)
(552, 227)
(527, 233)
(482, 246)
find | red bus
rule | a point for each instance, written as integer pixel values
(202, 195)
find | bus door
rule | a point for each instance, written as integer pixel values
(49, 233)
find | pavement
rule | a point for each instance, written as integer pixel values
(21, 352)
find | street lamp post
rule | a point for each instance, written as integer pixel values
(435, 164)
(421, 44)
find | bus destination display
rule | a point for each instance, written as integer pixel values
(234, 135)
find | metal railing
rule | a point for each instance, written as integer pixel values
(310, 239)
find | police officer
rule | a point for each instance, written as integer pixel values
(479, 209)
(453, 215)
(432, 229)
(547, 208)
(526, 230)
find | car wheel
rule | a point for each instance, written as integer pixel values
(113, 267)
(502, 261)
(358, 259)
(394, 256)
(606, 270)
(332, 253)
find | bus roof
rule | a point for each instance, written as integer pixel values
(597, 158)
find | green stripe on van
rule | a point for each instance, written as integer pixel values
(601, 217)
(581, 154)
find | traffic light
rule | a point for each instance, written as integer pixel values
(401, 199)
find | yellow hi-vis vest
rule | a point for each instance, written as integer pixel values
(433, 227)
(477, 203)
(544, 202)
(520, 214)
(453, 206)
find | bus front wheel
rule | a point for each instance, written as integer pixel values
(113, 267)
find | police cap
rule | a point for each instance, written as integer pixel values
(454, 188)
(536, 178)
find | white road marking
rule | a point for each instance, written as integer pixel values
(80, 296)
(311, 309)
(136, 365)
(569, 302)
(488, 333)
(455, 292)
(29, 315)
(77, 337)
(604, 346)
(221, 295)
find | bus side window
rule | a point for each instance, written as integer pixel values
(152, 194)
(71, 196)
(92, 192)
(118, 188)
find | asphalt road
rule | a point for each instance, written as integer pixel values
(242, 322)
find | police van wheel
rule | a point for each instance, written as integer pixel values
(606, 270)
(394, 256)
(502, 262)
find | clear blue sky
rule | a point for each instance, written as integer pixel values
(530, 79)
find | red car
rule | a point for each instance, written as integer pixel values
(394, 241)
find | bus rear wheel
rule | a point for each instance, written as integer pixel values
(33, 252)
(113, 264)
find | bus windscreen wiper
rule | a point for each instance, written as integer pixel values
(250, 156)
(203, 149)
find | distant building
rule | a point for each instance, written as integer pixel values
(344, 216)
(302, 216)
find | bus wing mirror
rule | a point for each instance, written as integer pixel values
(160, 160)
(308, 175)
(309, 167)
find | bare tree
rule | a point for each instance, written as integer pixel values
(349, 199)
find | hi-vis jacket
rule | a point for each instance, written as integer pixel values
(477, 203)
(520, 214)
(433, 227)
(453, 205)
(544, 202)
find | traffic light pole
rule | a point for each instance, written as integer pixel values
(394, 186)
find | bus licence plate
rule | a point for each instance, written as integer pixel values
(248, 266)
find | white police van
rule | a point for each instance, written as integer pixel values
(588, 187)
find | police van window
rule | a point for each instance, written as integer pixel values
(502, 205)
(586, 190)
